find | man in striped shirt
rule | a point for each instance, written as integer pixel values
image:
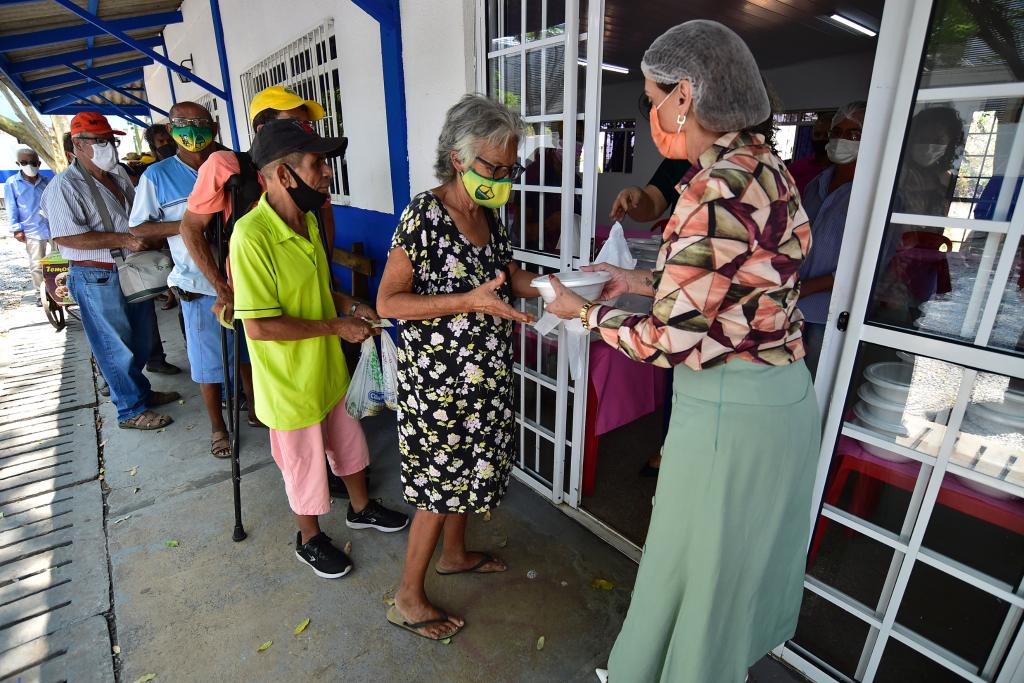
(119, 333)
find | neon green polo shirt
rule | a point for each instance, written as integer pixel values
(275, 271)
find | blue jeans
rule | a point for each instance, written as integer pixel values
(120, 334)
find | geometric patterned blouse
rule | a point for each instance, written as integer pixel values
(726, 283)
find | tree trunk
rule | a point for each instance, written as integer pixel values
(30, 130)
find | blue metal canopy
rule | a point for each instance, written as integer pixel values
(88, 55)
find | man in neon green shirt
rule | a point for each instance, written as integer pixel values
(282, 292)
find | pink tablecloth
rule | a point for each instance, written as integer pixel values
(626, 390)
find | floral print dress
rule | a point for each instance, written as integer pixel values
(455, 417)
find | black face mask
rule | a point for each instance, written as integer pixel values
(304, 196)
(166, 151)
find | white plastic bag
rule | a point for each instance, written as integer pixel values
(365, 395)
(389, 363)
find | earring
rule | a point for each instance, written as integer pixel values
(681, 120)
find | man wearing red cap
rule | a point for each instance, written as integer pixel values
(119, 333)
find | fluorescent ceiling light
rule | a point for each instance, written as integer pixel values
(606, 67)
(851, 24)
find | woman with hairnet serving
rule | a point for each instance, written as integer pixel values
(720, 580)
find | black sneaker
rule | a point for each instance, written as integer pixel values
(376, 516)
(162, 367)
(335, 485)
(320, 554)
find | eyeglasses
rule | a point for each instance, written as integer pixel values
(182, 123)
(851, 134)
(27, 163)
(99, 142)
(513, 172)
(644, 104)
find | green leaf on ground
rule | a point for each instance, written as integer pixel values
(540, 643)
(265, 646)
(348, 547)
(133, 471)
(173, 543)
(145, 678)
(116, 649)
(388, 600)
(301, 627)
(181, 401)
(602, 584)
(447, 641)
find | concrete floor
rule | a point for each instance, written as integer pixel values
(199, 611)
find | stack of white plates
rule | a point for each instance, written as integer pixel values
(644, 250)
(883, 403)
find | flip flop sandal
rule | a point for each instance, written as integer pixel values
(159, 398)
(146, 420)
(475, 569)
(220, 445)
(395, 617)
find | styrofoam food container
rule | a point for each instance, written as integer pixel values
(995, 421)
(880, 428)
(587, 285)
(885, 411)
(890, 380)
(990, 491)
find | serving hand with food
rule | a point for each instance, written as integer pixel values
(569, 299)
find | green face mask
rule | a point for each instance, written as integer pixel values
(487, 192)
(193, 138)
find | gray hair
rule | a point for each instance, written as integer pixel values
(27, 150)
(473, 122)
(851, 110)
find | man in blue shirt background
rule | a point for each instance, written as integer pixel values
(160, 200)
(22, 192)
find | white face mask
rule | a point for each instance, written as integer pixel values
(927, 155)
(104, 155)
(30, 171)
(842, 151)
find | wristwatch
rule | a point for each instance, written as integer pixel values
(352, 309)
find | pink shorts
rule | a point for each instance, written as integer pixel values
(299, 453)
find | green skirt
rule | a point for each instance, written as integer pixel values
(720, 580)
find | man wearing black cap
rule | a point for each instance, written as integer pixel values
(281, 281)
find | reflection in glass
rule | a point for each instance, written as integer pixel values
(545, 70)
(831, 633)
(992, 434)
(971, 43)
(935, 141)
(1008, 331)
(902, 399)
(927, 281)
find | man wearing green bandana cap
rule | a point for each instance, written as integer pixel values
(160, 201)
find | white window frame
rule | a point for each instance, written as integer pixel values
(310, 52)
(897, 63)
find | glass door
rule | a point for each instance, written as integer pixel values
(915, 568)
(533, 57)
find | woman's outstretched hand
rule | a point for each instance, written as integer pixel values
(567, 303)
(484, 299)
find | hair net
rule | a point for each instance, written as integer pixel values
(851, 110)
(728, 93)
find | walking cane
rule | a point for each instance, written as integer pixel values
(231, 379)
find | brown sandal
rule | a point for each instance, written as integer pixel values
(146, 420)
(220, 445)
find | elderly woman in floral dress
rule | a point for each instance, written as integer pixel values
(449, 281)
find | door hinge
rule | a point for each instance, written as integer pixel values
(843, 321)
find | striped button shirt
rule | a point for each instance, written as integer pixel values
(69, 206)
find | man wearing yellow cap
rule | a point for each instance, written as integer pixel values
(210, 196)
